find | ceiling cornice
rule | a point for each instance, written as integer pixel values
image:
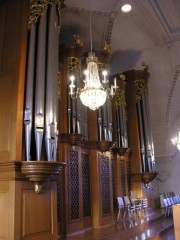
(157, 17)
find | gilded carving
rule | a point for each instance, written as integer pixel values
(106, 47)
(73, 64)
(38, 8)
(145, 66)
(120, 92)
(78, 40)
(103, 66)
(120, 97)
(140, 87)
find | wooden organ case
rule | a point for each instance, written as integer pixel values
(94, 145)
(104, 150)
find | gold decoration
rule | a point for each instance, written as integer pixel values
(122, 76)
(145, 66)
(78, 40)
(37, 187)
(120, 97)
(73, 64)
(106, 47)
(140, 87)
(38, 8)
(102, 66)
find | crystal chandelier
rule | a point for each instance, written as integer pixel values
(94, 92)
(176, 140)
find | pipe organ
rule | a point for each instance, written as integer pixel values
(41, 89)
(84, 137)
(111, 139)
(103, 153)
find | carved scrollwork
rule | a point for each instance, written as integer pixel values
(78, 41)
(120, 97)
(73, 64)
(38, 8)
(102, 66)
(106, 47)
(140, 87)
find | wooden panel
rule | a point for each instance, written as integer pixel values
(36, 207)
(13, 36)
(25, 214)
(7, 210)
(176, 213)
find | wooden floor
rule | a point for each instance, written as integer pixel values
(153, 226)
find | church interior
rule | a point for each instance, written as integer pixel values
(90, 120)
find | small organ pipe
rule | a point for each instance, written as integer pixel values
(109, 110)
(125, 127)
(105, 120)
(141, 136)
(100, 124)
(118, 127)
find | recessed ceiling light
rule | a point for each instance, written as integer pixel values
(126, 8)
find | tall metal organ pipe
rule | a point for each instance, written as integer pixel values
(28, 112)
(40, 85)
(147, 149)
(51, 86)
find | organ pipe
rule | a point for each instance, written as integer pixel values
(29, 92)
(40, 85)
(141, 137)
(51, 83)
(146, 142)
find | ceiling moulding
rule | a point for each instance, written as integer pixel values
(109, 28)
(155, 15)
(109, 23)
(170, 96)
(87, 11)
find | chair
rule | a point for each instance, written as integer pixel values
(143, 200)
(130, 207)
(121, 207)
(168, 206)
(138, 204)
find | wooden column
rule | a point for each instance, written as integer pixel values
(133, 133)
(13, 39)
(24, 214)
(136, 83)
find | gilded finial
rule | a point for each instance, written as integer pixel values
(78, 40)
(145, 66)
(122, 76)
(106, 47)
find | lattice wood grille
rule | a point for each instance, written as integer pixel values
(58, 204)
(113, 182)
(86, 190)
(73, 185)
(128, 174)
(105, 184)
(123, 176)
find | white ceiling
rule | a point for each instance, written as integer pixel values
(150, 33)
